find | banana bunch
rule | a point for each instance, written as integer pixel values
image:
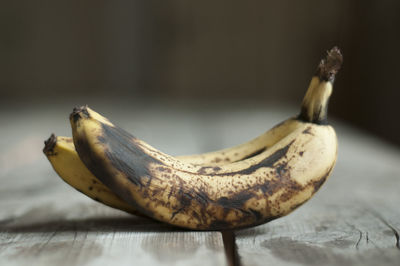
(246, 185)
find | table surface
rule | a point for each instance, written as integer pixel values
(353, 220)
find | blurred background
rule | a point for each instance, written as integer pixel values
(253, 52)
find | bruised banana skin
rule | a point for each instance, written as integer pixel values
(62, 155)
(241, 194)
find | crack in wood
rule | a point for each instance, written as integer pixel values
(359, 231)
(395, 232)
(231, 250)
(359, 239)
(43, 246)
(392, 228)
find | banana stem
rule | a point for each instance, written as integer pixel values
(49, 145)
(314, 108)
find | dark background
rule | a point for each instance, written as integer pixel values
(260, 51)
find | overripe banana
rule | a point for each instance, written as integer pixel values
(236, 195)
(61, 153)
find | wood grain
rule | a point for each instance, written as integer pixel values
(104, 241)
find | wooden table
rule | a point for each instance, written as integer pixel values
(353, 220)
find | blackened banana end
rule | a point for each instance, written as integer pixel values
(49, 145)
(329, 66)
(79, 112)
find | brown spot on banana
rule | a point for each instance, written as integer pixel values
(307, 131)
(257, 152)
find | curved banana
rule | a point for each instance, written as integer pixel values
(241, 194)
(62, 155)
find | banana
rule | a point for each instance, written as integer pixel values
(245, 193)
(61, 153)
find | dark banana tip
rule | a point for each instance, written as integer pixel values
(49, 145)
(79, 112)
(329, 66)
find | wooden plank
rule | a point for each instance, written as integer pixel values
(353, 220)
(104, 240)
(330, 235)
(65, 228)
